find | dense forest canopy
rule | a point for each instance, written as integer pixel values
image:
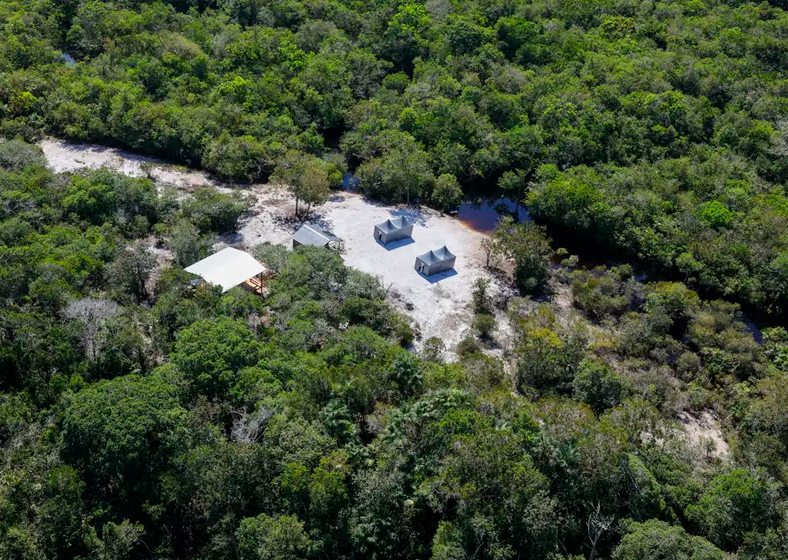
(628, 418)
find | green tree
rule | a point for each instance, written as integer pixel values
(548, 354)
(212, 353)
(279, 537)
(309, 178)
(715, 213)
(528, 247)
(131, 269)
(120, 434)
(211, 210)
(16, 155)
(401, 174)
(187, 244)
(735, 503)
(514, 182)
(239, 159)
(107, 196)
(656, 540)
(447, 193)
(599, 385)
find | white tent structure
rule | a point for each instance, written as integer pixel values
(228, 268)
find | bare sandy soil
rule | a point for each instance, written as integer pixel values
(62, 157)
(705, 433)
(438, 306)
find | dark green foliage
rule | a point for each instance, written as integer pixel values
(131, 269)
(602, 293)
(211, 355)
(735, 503)
(658, 540)
(120, 433)
(16, 155)
(599, 385)
(267, 538)
(528, 247)
(211, 210)
(105, 196)
(187, 244)
(548, 355)
(447, 193)
(238, 158)
(485, 325)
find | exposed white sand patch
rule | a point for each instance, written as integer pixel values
(62, 156)
(163, 258)
(439, 306)
(704, 432)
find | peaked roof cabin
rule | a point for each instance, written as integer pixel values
(434, 262)
(228, 268)
(393, 230)
(311, 234)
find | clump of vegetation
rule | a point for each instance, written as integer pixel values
(527, 247)
(309, 178)
(210, 210)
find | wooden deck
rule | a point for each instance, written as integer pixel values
(256, 285)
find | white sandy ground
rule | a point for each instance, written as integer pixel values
(704, 432)
(62, 157)
(438, 306)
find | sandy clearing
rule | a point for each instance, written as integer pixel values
(62, 157)
(703, 430)
(438, 306)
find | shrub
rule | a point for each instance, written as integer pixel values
(447, 193)
(485, 324)
(211, 210)
(599, 385)
(17, 154)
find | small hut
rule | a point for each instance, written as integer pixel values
(229, 268)
(434, 262)
(315, 236)
(393, 230)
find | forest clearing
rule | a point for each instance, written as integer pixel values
(438, 309)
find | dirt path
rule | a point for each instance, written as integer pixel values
(439, 306)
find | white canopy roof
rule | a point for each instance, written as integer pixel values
(227, 268)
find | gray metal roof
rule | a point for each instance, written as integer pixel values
(436, 256)
(394, 224)
(310, 234)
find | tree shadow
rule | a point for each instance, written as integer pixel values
(414, 215)
(232, 238)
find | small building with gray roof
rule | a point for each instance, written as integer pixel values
(315, 236)
(434, 262)
(394, 229)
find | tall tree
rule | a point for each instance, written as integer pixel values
(307, 177)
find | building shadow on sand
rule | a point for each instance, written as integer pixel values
(435, 278)
(396, 244)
